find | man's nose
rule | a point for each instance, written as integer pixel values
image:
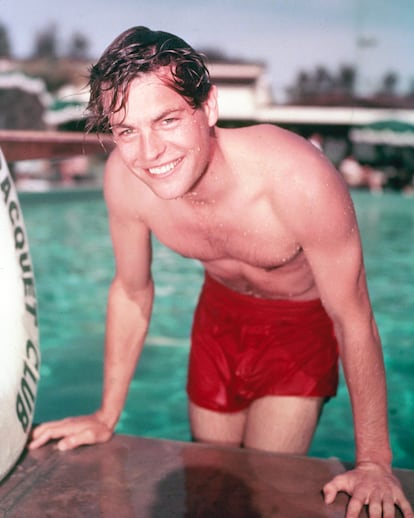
(152, 146)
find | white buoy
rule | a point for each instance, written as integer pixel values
(19, 335)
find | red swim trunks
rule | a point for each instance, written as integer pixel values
(245, 347)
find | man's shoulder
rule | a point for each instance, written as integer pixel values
(294, 173)
(114, 166)
(264, 134)
(279, 152)
(121, 188)
(273, 142)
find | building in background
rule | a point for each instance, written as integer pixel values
(244, 97)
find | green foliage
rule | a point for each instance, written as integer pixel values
(5, 49)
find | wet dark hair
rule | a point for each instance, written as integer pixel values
(137, 51)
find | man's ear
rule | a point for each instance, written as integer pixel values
(210, 106)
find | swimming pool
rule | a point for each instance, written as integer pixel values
(73, 262)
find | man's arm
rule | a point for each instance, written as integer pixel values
(128, 314)
(127, 319)
(331, 242)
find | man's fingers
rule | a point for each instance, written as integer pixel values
(332, 488)
(46, 434)
(376, 507)
(83, 437)
(380, 505)
(388, 508)
(41, 428)
(354, 507)
(405, 506)
(36, 443)
(330, 491)
(72, 431)
(72, 441)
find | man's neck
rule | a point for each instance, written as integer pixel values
(214, 184)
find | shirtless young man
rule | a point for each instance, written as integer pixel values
(274, 227)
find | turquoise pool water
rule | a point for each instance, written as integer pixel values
(73, 263)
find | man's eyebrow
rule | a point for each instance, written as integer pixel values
(162, 115)
(168, 111)
(120, 125)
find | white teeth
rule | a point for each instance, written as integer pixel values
(163, 168)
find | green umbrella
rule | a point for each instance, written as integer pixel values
(62, 110)
(386, 132)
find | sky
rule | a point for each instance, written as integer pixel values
(287, 35)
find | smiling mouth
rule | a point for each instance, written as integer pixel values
(164, 169)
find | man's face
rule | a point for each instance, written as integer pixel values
(163, 140)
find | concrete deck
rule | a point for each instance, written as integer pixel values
(149, 478)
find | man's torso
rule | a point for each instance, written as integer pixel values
(239, 237)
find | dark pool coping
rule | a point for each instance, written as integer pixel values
(152, 478)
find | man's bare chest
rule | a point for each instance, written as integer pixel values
(255, 238)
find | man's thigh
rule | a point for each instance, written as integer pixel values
(284, 424)
(225, 428)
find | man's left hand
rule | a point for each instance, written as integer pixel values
(372, 485)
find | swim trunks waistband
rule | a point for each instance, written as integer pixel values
(264, 309)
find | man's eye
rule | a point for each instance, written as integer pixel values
(170, 121)
(125, 134)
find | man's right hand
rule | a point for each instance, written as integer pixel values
(72, 432)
